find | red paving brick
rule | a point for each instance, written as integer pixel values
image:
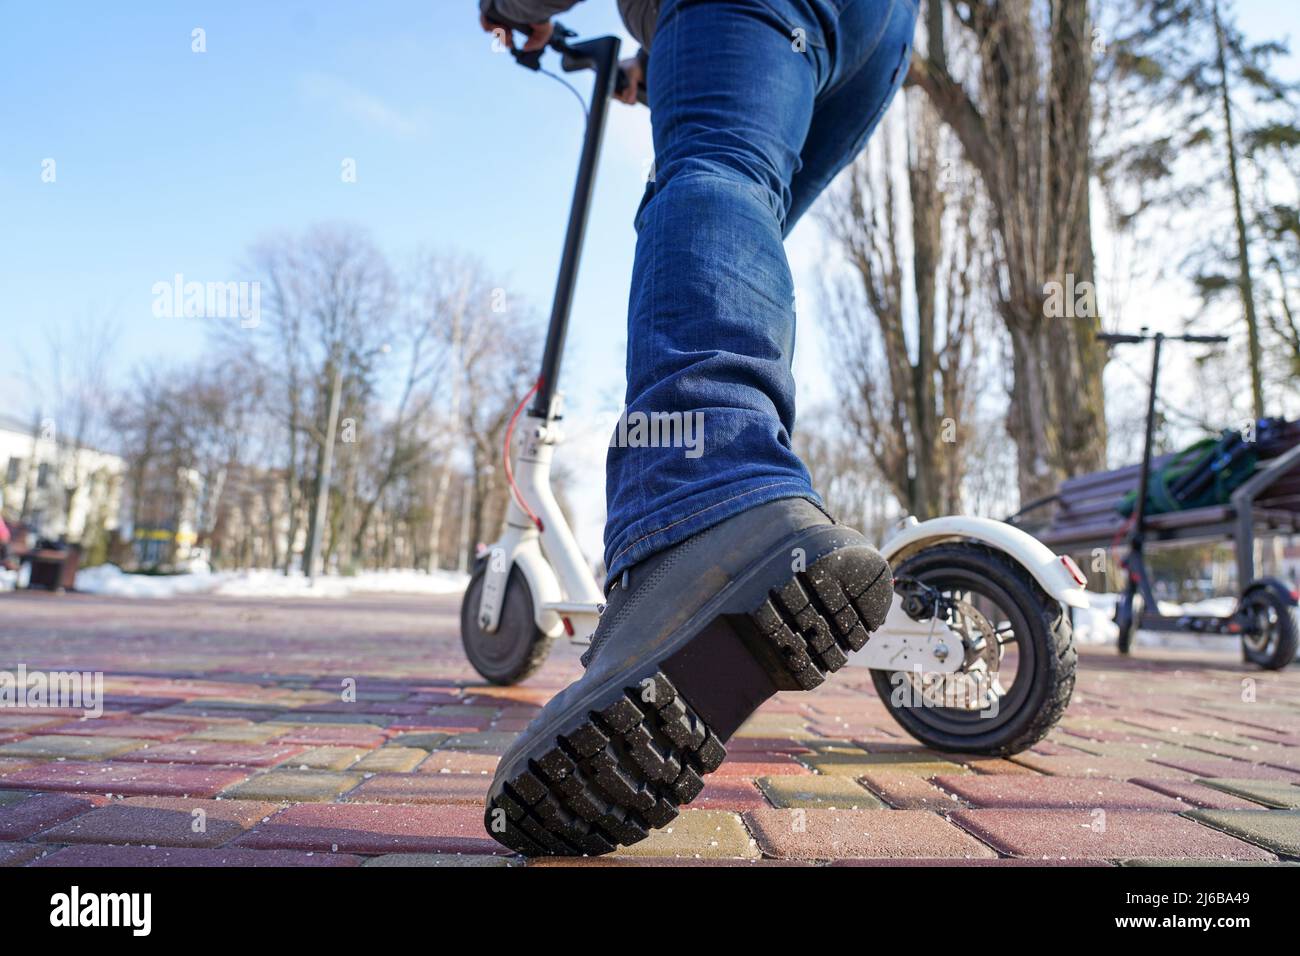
(113, 856)
(345, 735)
(907, 791)
(423, 788)
(750, 769)
(843, 834)
(998, 861)
(210, 701)
(16, 854)
(1103, 834)
(374, 828)
(737, 747)
(729, 793)
(1055, 793)
(1229, 768)
(202, 752)
(1115, 768)
(126, 727)
(164, 821)
(172, 780)
(42, 810)
(1198, 795)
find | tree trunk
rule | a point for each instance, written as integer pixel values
(1028, 138)
(927, 243)
(436, 509)
(1245, 283)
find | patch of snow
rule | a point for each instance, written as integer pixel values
(1096, 624)
(108, 579)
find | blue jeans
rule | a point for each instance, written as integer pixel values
(756, 105)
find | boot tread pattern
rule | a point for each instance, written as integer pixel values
(632, 762)
(820, 615)
(614, 776)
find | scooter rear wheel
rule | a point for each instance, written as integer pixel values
(517, 648)
(998, 610)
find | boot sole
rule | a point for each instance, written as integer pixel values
(632, 754)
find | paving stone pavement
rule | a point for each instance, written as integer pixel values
(352, 732)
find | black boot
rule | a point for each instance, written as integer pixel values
(692, 641)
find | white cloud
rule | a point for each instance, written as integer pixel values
(362, 106)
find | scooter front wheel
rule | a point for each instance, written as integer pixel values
(1017, 672)
(517, 647)
(1277, 626)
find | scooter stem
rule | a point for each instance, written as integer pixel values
(602, 56)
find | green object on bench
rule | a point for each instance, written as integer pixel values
(1231, 459)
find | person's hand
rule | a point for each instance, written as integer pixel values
(540, 36)
(635, 74)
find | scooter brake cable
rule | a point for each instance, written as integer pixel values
(567, 85)
(510, 473)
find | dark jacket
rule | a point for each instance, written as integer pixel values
(639, 15)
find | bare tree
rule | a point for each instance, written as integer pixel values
(1023, 124)
(328, 321)
(497, 367)
(73, 399)
(905, 375)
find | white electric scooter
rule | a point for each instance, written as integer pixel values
(976, 654)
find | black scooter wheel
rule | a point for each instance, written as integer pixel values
(517, 648)
(1018, 670)
(1128, 611)
(1274, 647)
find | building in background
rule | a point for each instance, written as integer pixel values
(58, 489)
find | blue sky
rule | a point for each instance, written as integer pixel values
(171, 161)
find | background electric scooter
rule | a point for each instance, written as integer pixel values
(1266, 617)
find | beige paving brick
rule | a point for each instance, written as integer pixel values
(397, 759)
(1282, 796)
(1276, 830)
(437, 860)
(237, 734)
(67, 747)
(817, 791)
(697, 833)
(848, 764)
(291, 786)
(324, 758)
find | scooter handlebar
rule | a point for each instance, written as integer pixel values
(620, 84)
(571, 61)
(1121, 338)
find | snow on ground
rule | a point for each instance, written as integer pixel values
(1093, 625)
(111, 580)
(1096, 624)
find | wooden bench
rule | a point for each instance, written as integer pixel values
(1084, 512)
(52, 568)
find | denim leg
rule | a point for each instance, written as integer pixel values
(711, 321)
(873, 44)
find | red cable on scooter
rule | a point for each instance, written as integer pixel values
(510, 474)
